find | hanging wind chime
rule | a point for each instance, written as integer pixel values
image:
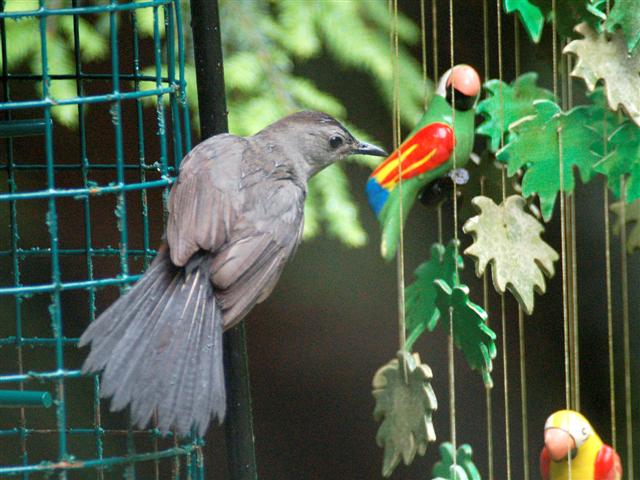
(541, 142)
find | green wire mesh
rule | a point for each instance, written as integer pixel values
(83, 207)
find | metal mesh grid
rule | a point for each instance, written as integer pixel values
(87, 205)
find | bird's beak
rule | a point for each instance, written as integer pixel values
(369, 149)
(559, 443)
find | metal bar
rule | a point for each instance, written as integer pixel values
(22, 128)
(105, 98)
(47, 12)
(84, 192)
(94, 252)
(56, 375)
(97, 463)
(205, 22)
(25, 398)
(63, 286)
(152, 167)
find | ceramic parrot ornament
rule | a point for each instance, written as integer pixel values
(427, 154)
(569, 435)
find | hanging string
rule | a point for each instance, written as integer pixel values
(434, 42)
(451, 351)
(423, 31)
(434, 37)
(505, 380)
(521, 332)
(485, 277)
(625, 328)
(574, 265)
(607, 241)
(505, 361)
(396, 142)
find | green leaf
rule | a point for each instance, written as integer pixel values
(471, 334)
(421, 294)
(625, 15)
(506, 104)
(508, 238)
(535, 146)
(462, 469)
(530, 15)
(602, 120)
(631, 220)
(623, 159)
(405, 402)
(569, 13)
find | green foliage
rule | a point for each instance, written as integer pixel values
(462, 468)
(624, 15)
(530, 15)
(535, 146)
(421, 310)
(471, 333)
(623, 160)
(506, 104)
(405, 403)
(264, 44)
(568, 14)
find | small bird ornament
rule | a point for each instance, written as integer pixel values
(442, 141)
(573, 450)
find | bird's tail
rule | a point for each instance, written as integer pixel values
(160, 347)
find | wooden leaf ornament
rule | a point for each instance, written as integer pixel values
(421, 310)
(471, 334)
(623, 159)
(508, 238)
(631, 219)
(507, 103)
(530, 15)
(535, 146)
(462, 468)
(405, 402)
(624, 15)
(605, 57)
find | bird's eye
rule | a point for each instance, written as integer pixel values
(335, 141)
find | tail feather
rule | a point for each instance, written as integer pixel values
(105, 335)
(160, 347)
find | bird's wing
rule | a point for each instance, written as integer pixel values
(426, 150)
(545, 464)
(204, 201)
(608, 465)
(246, 269)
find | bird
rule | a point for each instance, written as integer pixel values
(572, 449)
(235, 217)
(442, 140)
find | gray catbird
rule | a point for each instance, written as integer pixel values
(235, 218)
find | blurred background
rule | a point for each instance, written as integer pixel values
(315, 344)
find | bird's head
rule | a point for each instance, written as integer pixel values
(321, 139)
(564, 433)
(461, 86)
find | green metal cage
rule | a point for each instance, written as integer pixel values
(82, 196)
